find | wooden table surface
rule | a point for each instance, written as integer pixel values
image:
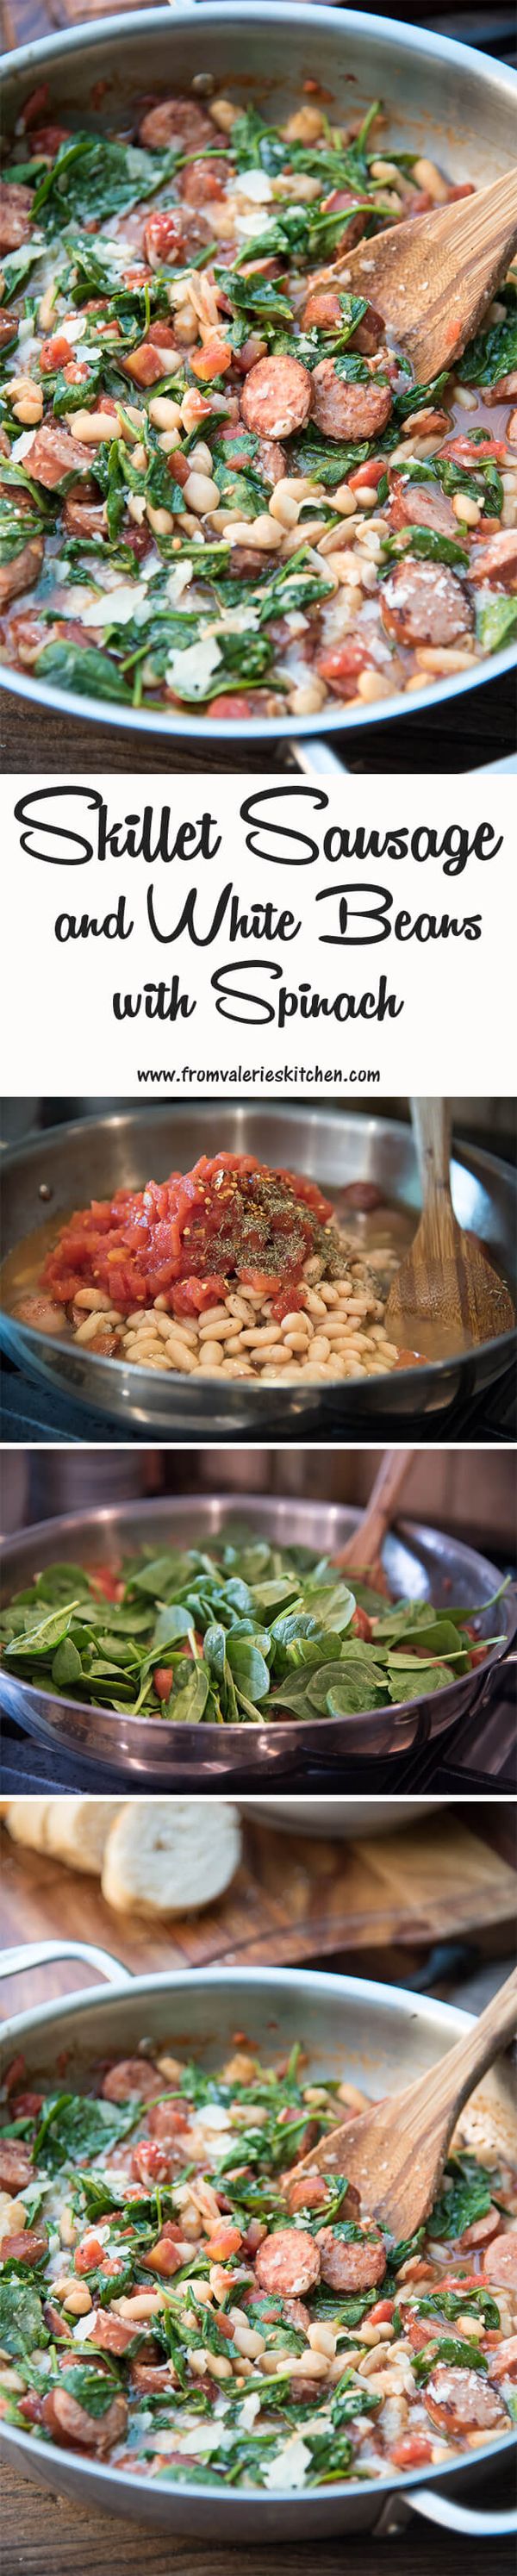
(43, 2535)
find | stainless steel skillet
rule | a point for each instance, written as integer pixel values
(379, 2036)
(420, 1563)
(442, 98)
(74, 1163)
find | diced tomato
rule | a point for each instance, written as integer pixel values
(35, 105)
(163, 1679)
(89, 2255)
(412, 2451)
(361, 1625)
(27, 2106)
(222, 2242)
(474, 451)
(213, 359)
(382, 2313)
(54, 353)
(368, 475)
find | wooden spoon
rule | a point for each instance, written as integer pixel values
(446, 1296)
(395, 2152)
(433, 277)
(363, 1552)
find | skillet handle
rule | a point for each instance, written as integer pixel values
(469, 2523)
(36, 1954)
(316, 759)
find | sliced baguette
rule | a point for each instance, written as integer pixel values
(26, 1821)
(76, 1830)
(170, 1855)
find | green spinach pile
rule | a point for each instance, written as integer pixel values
(238, 1635)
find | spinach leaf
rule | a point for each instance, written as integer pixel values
(83, 668)
(93, 2389)
(93, 176)
(22, 2329)
(326, 462)
(74, 2125)
(461, 2354)
(428, 544)
(493, 353)
(496, 622)
(469, 2196)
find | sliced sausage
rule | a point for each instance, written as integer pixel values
(22, 572)
(16, 204)
(55, 453)
(9, 327)
(504, 391)
(84, 518)
(481, 2230)
(424, 603)
(277, 397)
(29, 2246)
(201, 180)
(70, 2423)
(269, 461)
(459, 2401)
(337, 203)
(288, 2261)
(498, 560)
(16, 2165)
(112, 2334)
(422, 505)
(322, 309)
(147, 2378)
(344, 410)
(500, 2260)
(176, 120)
(246, 564)
(169, 2117)
(350, 2266)
(503, 2363)
(131, 2075)
(307, 2191)
(40, 1312)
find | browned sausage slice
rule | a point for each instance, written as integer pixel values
(322, 309)
(55, 453)
(16, 204)
(70, 2423)
(131, 2075)
(84, 518)
(112, 2334)
(504, 391)
(424, 603)
(503, 2363)
(345, 410)
(500, 2260)
(459, 2401)
(277, 397)
(288, 2261)
(350, 2266)
(22, 572)
(16, 2166)
(269, 460)
(40, 1312)
(29, 2246)
(177, 120)
(498, 560)
(420, 505)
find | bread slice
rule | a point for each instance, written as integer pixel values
(76, 1830)
(170, 1855)
(26, 1821)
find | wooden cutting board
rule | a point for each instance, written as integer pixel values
(293, 1899)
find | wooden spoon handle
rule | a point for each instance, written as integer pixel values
(366, 1543)
(429, 2109)
(431, 1120)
